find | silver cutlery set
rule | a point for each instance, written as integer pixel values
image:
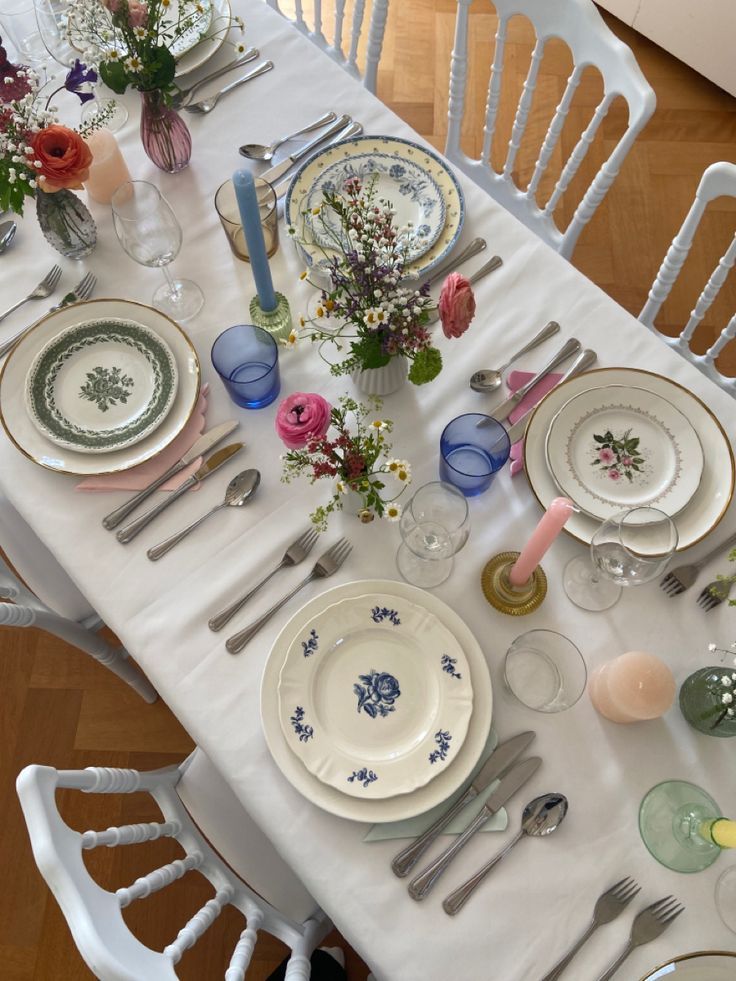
(82, 291)
(678, 580)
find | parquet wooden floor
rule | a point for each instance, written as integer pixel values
(60, 708)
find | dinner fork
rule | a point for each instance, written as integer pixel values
(207, 105)
(678, 580)
(714, 594)
(45, 288)
(183, 95)
(608, 906)
(294, 554)
(325, 566)
(82, 291)
(648, 925)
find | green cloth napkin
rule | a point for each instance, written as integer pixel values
(413, 827)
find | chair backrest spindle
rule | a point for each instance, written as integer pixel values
(241, 957)
(130, 834)
(196, 926)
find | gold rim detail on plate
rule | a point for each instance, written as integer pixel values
(687, 957)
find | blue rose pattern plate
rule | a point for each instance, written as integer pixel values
(375, 696)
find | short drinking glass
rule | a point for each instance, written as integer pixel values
(226, 205)
(247, 359)
(434, 526)
(629, 549)
(545, 671)
(471, 455)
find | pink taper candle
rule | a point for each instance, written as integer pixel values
(108, 169)
(542, 537)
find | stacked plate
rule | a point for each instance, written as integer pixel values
(423, 191)
(620, 438)
(376, 701)
(698, 966)
(98, 387)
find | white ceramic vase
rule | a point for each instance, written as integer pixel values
(353, 505)
(381, 381)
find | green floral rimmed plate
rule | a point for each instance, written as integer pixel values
(101, 385)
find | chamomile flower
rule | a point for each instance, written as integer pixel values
(392, 512)
(341, 487)
(378, 425)
(303, 274)
(140, 32)
(133, 64)
(240, 48)
(403, 475)
(291, 339)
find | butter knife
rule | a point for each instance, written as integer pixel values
(504, 410)
(210, 465)
(514, 780)
(201, 446)
(274, 173)
(495, 766)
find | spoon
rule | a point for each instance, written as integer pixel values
(7, 234)
(541, 817)
(261, 151)
(489, 379)
(239, 491)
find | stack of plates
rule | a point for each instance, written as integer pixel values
(620, 438)
(376, 701)
(98, 387)
(205, 39)
(421, 187)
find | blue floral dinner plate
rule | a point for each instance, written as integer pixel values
(375, 696)
(405, 184)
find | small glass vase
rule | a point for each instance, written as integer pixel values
(353, 504)
(66, 223)
(701, 702)
(381, 381)
(164, 134)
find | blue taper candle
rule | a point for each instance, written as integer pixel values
(245, 191)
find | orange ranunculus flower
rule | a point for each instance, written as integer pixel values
(64, 158)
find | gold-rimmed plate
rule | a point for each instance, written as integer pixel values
(715, 492)
(210, 44)
(32, 443)
(701, 965)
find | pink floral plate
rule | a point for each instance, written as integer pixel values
(619, 447)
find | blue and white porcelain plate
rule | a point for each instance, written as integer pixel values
(375, 696)
(405, 184)
(403, 152)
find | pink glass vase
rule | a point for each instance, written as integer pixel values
(164, 134)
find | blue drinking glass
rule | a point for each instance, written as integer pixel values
(472, 455)
(247, 359)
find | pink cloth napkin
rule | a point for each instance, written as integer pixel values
(514, 381)
(142, 475)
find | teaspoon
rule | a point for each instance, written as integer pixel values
(7, 234)
(261, 151)
(489, 379)
(239, 491)
(541, 817)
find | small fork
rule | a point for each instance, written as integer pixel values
(207, 105)
(608, 906)
(326, 565)
(184, 95)
(45, 288)
(294, 554)
(714, 594)
(682, 578)
(648, 925)
(82, 291)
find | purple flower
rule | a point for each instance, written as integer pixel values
(78, 76)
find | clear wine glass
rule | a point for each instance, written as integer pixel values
(629, 549)
(52, 17)
(151, 235)
(435, 525)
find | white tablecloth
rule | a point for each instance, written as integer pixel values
(542, 895)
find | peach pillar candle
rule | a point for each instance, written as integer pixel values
(632, 688)
(108, 169)
(543, 535)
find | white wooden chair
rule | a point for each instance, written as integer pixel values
(376, 29)
(199, 811)
(581, 27)
(717, 181)
(53, 603)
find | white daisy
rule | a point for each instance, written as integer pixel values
(392, 512)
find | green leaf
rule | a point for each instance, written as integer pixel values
(163, 68)
(369, 353)
(427, 364)
(598, 439)
(114, 76)
(638, 459)
(629, 477)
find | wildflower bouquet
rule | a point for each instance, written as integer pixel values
(366, 305)
(36, 153)
(324, 442)
(134, 42)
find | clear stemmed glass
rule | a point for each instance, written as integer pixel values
(52, 19)
(629, 549)
(151, 235)
(726, 897)
(435, 525)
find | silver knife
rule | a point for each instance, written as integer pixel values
(586, 359)
(510, 783)
(273, 173)
(353, 129)
(504, 410)
(210, 465)
(205, 442)
(453, 261)
(495, 766)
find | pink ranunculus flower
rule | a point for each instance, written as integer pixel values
(301, 417)
(606, 455)
(457, 305)
(614, 474)
(137, 13)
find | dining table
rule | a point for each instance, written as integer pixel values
(541, 897)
